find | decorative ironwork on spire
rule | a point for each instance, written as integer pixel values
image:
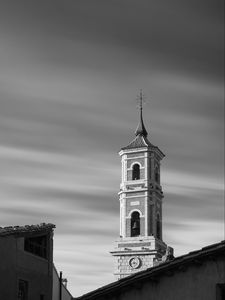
(141, 127)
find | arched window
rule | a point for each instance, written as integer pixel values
(158, 227)
(157, 174)
(136, 172)
(135, 224)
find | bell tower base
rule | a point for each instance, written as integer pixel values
(134, 254)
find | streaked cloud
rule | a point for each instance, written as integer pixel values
(69, 77)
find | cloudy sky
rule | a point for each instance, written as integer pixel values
(70, 71)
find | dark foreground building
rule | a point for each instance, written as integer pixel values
(27, 271)
(59, 290)
(26, 262)
(199, 275)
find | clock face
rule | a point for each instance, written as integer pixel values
(135, 262)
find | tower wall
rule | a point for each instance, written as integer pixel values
(140, 193)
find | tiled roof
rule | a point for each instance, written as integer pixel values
(154, 273)
(20, 230)
(141, 141)
(138, 142)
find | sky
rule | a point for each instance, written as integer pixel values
(70, 72)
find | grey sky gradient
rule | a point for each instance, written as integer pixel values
(69, 75)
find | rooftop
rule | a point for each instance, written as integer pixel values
(139, 141)
(154, 273)
(20, 230)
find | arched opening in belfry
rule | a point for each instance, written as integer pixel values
(136, 172)
(157, 174)
(158, 227)
(135, 224)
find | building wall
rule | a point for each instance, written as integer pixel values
(124, 263)
(8, 282)
(197, 282)
(17, 264)
(55, 289)
(144, 196)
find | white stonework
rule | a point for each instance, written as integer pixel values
(135, 203)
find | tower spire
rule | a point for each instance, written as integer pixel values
(141, 127)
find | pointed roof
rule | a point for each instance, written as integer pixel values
(139, 142)
(142, 142)
(141, 133)
(141, 127)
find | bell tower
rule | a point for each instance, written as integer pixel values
(140, 243)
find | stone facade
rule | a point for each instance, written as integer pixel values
(136, 254)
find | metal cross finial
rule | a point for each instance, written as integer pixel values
(140, 100)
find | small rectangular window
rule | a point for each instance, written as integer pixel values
(36, 245)
(42, 297)
(22, 290)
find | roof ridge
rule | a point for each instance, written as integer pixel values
(11, 230)
(155, 271)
